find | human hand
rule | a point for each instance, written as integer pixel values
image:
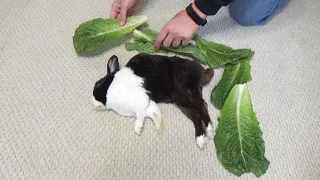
(123, 8)
(179, 30)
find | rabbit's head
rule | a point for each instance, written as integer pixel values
(99, 98)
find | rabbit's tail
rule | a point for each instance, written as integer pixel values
(207, 76)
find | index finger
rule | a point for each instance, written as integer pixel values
(163, 33)
(123, 15)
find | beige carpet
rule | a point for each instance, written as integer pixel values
(49, 130)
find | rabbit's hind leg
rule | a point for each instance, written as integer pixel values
(139, 122)
(194, 115)
(206, 118)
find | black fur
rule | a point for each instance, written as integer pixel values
(157, 74)
(175, 80)
(101, 87)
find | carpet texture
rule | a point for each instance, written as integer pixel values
(49, 130)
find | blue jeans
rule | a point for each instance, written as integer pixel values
(255, 12)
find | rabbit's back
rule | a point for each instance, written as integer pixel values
(187, 75)
(164, 76)
(156, 71)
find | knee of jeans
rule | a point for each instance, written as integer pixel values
(254, 12)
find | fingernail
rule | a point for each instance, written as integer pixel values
(121, 23)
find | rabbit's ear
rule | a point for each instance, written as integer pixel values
(113, 64)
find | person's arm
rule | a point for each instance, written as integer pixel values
(211, 7)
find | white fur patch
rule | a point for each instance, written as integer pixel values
(126, 94)
(201, 141)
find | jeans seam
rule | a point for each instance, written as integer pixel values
(271, 11)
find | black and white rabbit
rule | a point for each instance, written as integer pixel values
(146, 80)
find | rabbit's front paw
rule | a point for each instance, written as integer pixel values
(159, 126)
(138, 124)
(138, 127)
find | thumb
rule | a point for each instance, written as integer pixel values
(123, 15)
